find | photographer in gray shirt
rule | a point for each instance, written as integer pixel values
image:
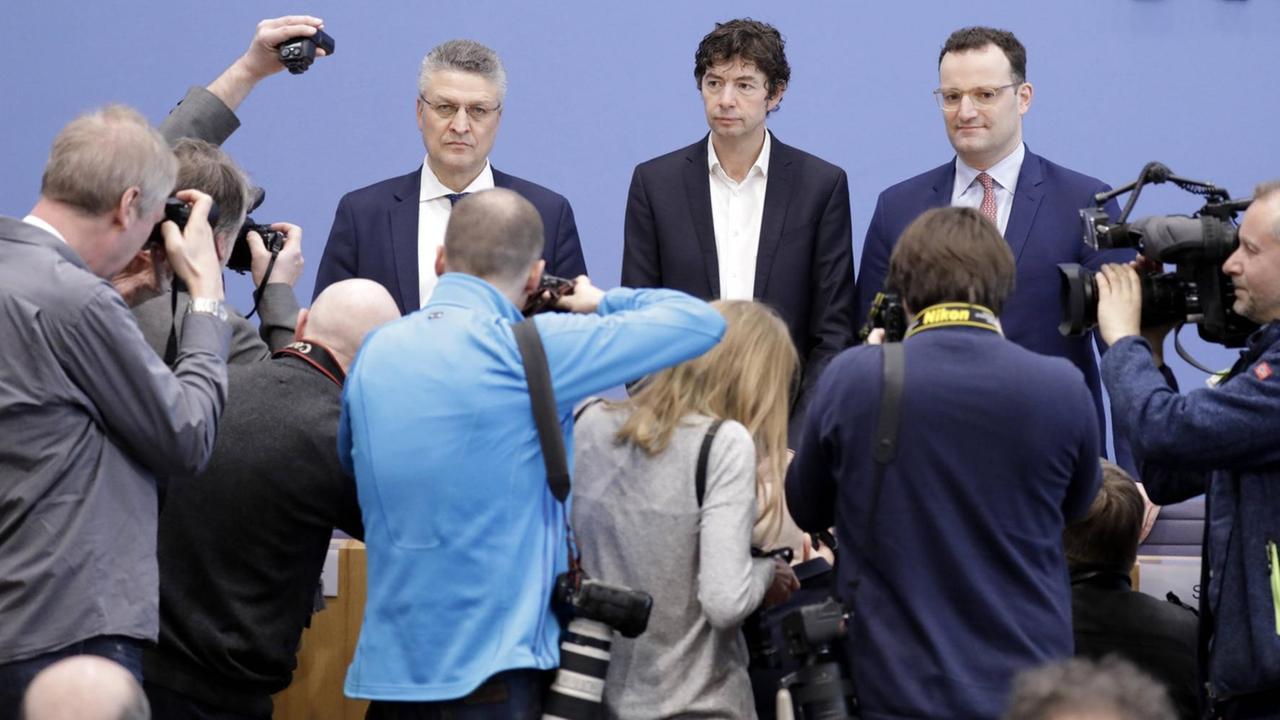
(89, 415)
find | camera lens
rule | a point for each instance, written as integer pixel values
(1078, 297)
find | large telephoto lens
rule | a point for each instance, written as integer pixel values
(1078, 298)
(578, 690)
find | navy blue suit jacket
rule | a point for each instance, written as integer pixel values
(1044, 229)
(375, 235)
(804, 264)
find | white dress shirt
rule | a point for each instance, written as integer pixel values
(40, 223)
(967, 191)
(434, 209)
(736, 212)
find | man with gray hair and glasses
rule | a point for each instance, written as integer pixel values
(391, 231)
(89, 414)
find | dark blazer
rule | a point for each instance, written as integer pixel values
(1108, 617)
(804, 265)
(1044, 229)
(375, 235)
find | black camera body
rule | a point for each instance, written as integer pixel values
(298, 54)
(621, 608)
(179, 212)
(550, 289)
(241, 259)
(886, 312)
(819, 688)
(1197, 291)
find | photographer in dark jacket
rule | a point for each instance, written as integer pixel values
(241, 546)
(951, 563)
(1221, 441)
(1107, 615)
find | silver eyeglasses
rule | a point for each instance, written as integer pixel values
(982, 97)
(477, 113)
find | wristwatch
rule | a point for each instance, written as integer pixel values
(208, 306)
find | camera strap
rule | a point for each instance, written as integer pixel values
(884, 447)
(315, 355)
(542, 399)
(953, 314)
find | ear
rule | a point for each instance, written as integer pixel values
(1025, 93)
(778, 92)
(300, 330)
(440, 261)
(126, 210)
(419, 106)
(221, 248)
(535, 277)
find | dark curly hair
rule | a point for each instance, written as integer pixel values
(751, 41)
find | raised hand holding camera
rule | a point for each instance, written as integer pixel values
(285, 246)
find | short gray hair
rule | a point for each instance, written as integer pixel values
(495, 235)
(464, 56)
(101, 154)
(1110, 688)
(1263, 192)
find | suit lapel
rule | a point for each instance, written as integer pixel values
(697, 186)
(777, 198)
(404, 240)
(1026, 201)
(944, 180)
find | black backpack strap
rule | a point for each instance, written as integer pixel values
(543, 399)
(704, 455)
(577, 414)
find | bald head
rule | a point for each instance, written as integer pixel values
(495, 235)
(344, 313)
(85, 687)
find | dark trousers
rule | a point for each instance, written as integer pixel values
(16, 676)
(1257, 706)
(167, 704)
(510, 695)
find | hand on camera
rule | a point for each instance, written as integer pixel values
(261, 60)
(1119, 302)
(289, 261)
(191, 251)
(585, 297)
(784, 583)
(876, 337)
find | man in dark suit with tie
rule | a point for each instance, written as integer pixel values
(983, 94)
(740, 215)
(390, 231)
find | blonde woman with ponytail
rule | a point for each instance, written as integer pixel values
(638, 521)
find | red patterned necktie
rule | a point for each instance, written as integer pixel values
(988, 207)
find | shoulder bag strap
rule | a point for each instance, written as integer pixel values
(704, 455)
(543, 399)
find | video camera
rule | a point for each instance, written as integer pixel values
(1197, 245)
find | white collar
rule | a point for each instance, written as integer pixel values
(761, 163)
(40, 223)
(1005, 172)
(432, 188)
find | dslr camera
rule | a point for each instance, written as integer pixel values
(597, 609)
(241, 259)
(177, 211)
(1196, 245)
(550, 289)
(886, 312)
(819, 688)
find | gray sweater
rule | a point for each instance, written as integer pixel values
(638, 524)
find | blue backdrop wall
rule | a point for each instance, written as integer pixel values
(596, 87)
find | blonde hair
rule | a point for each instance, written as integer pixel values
(747, 377)
(101, 154)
